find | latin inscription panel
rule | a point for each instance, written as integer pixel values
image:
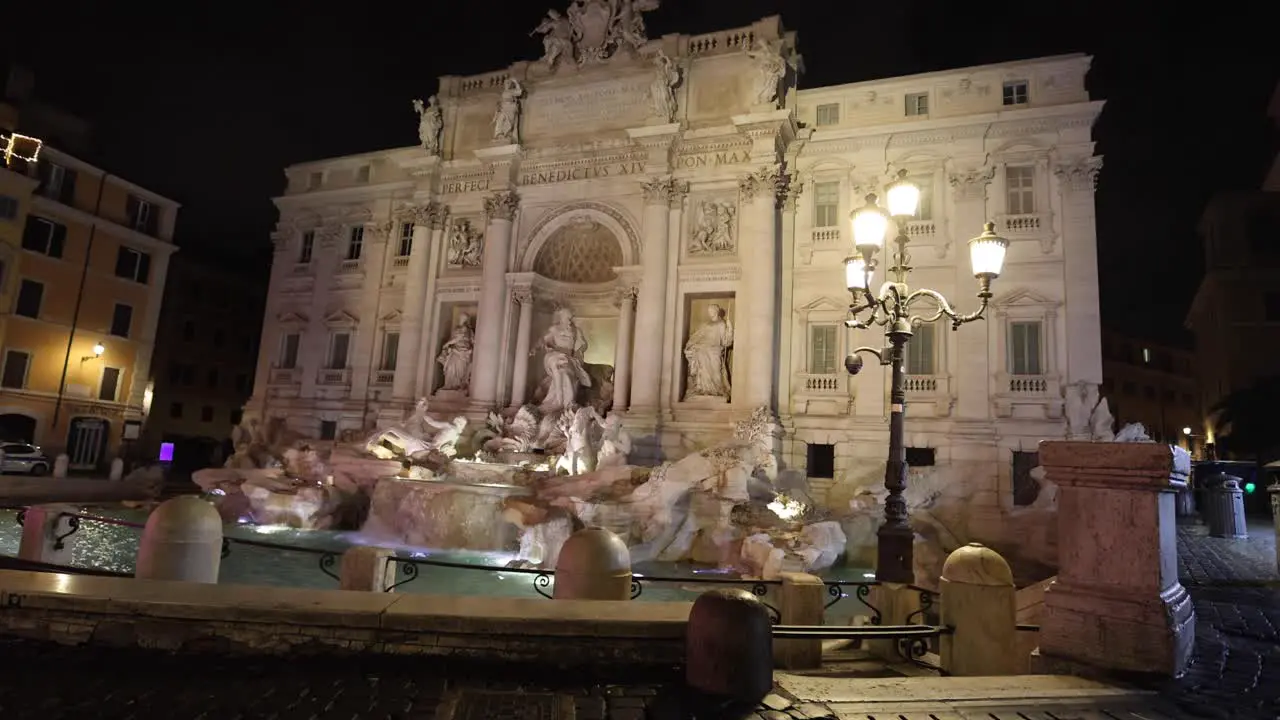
(608, 105)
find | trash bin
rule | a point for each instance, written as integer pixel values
(1226, 510)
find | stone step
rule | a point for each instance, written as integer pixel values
(1023, 689)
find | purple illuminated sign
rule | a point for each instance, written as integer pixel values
(166, 452)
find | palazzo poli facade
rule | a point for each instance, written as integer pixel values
(689, 208)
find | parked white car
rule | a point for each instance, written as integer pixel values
(25, 459)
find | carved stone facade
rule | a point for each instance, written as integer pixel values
(737, 206)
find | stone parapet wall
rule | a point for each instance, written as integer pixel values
(112, 612)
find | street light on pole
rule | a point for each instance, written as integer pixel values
(892, 309)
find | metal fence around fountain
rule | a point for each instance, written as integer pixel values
(542, 580)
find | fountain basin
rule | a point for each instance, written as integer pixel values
(445, 514)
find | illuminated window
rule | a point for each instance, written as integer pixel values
(823, 348)
(406, 240)
(921, 351)
(390, 350)
(1025, 348)
(1146, 355)
(826, 204)
(1019, 184)
(1015, 92)
(917, 104)
(828, 114)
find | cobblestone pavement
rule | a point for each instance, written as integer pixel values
(1235, 669)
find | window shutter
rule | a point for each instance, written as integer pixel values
(57, 240)
(144, 268)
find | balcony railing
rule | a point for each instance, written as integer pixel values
(283, 376)
(384, 377)
(924, 384)
(335, 376)
(824, 384)
(349, 266)
(1028, 384)
(1030, 224)
(401, 261)
(302, 269)
(921, 228)
(826, 236)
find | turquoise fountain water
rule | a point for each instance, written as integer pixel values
(293, 560)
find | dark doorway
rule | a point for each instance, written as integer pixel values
(821, 461)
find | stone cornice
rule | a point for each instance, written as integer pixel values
(358, 193)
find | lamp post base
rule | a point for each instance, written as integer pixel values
(895, 554)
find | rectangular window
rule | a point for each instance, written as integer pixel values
(820, 460)
(133, 265)
(8, 208)
(289, 351)
(1025, 348)
(338, 347)
(917, 104)
(16, 363)
(390, 350)
(328, 429)
(57, 183)
(921, 351)
(925, 183)
(211, 379)
(921, 456)
(1015, 92)
(1025, 488)
(44, 236)
(206, 413)
(1020, 190)
(826, 204)
(362, 174)
(110, 384)
(175, 410)
(315, 180)
(242, 383)
(307, 245)
(406, 239)
(30, 297)
(121, 320)
(355, 243)
(142, 215)
(828, 114)
(823, 348)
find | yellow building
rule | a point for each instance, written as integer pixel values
(85, 259)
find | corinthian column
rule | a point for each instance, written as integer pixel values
(520, 368)
(622, 350)
(651, 302)
(366, 341)
(1077, 181)
(424, 219)
(500, 208)
(758, 248)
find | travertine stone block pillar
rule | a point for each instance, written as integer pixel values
(424, 218)
(729, 647)
(1117, 603)
(758, 307)
(594, 564)
(500, 208)
(523, 296)
(622, 353)
(801, 601)
(898, 605)
(367, 568)
(48, 534)
(973, 376)
(978, 603)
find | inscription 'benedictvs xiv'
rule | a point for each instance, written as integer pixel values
(596, 172)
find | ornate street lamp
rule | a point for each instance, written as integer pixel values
(892, 310)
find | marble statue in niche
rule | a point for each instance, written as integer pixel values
(430, 122)
(713, 229)
(707, 353)
(455, 356)
(506, 121)
(563, 347)
(466, 245)
(663, 88)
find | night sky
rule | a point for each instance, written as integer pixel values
(208, 106)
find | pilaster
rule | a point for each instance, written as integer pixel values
(425, 219)
(651, 302)
(315, 342)
(1077, 180)
(364, 345)
(972, 363)
(500, 209)
(758, 304)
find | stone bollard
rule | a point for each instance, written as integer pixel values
(182, 541)
(801, 601)
(60, 465)
(48, 534)
(1116, 604)
(1227, 517)
(117, 470)
(367, 568)
(978, 601)
(594, 564)
(729, 647)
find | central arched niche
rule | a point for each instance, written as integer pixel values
(583, 251)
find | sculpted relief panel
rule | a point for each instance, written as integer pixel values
(713, 228)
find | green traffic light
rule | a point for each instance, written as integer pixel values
(1250, 487)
